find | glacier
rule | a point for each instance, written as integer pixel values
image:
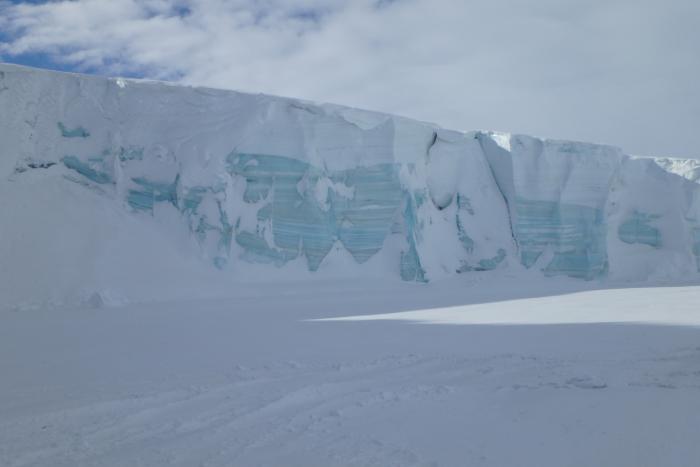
(144, 190)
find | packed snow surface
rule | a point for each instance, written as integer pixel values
(452, 373)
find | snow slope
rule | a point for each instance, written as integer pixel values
(115, 190)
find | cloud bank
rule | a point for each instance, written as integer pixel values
(622, 72)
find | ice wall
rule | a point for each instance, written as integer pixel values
(253, 187)
(589, 211)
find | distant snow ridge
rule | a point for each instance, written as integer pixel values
(151, 190)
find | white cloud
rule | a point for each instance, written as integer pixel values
(622, 72)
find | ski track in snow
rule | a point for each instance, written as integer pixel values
(301, 410)
(274, 388)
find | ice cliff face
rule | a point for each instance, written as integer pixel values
(589, 211)
(138, 187)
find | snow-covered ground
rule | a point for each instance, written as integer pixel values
(456, 373)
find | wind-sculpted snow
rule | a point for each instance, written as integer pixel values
(247, 186)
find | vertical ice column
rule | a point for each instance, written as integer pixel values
(556, 193)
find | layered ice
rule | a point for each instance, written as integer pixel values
(556, 193)
(250, 186)
(306, 210)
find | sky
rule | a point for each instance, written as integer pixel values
(620, 72)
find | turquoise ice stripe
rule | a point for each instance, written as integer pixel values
(464, 207)
(487, 264)
(261, 170)
(256, 249)
(696, 241)
(162, 191)
(365, 219)
(77, 132)
(192, 198)
(528, 258)
(86, 170)
(464, 204)
(411, 268)
(637, 229)
(265, 213)
(130, 154)
(202, 227)
(226, 230)
(300, 225)
(140, 200)
(151, 192)
(696, 245)
(491, 263)
(420, 198)
(581, 264)
(576, 234)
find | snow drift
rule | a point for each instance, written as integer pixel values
(115, 190)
